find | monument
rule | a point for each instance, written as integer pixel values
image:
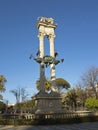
(47, 102)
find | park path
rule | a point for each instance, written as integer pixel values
(81, 126)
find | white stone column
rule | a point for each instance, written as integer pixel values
(52, 66)
(42, 68)
(41, 44)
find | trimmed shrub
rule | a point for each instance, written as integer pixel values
(92, 103)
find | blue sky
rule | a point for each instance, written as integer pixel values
(76, 40)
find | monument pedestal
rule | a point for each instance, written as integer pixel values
(47, 103)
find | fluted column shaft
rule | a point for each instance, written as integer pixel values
(52, 66)
(41, 44)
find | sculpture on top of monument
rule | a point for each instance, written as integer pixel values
(46, 20)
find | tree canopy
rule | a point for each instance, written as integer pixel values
(47, 84)
(2, 106)
(92, 103)
(60, 84)
(2, 83)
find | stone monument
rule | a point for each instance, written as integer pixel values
(47, 102)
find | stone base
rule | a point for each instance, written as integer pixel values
(47, 103)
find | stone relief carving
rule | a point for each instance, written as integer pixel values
(46, 20)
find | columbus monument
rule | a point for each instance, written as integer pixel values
(47, 102)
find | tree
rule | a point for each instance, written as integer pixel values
(92, 103)
(16, 93)
(47, 84)
(62, 84)
(2, 84)
(26, 106)
(20, 95)
(90, 81)
(71, 98)
(2, 106)
(24, 95)
(81, 96)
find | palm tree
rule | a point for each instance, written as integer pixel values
(47, 84)
(71, 98)
(2, 83)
